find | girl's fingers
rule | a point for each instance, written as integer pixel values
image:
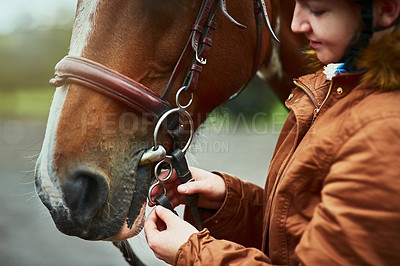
(150, 225)
(195, 187)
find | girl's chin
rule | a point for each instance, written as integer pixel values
(326, 60)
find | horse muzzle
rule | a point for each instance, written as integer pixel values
(85, 203)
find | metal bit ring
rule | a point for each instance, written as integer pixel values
(158, 183)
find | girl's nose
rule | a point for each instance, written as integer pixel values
(300, 23)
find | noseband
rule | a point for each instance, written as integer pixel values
(87, 73)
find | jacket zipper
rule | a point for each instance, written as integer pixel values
(282, 169)
(299, 84)
(318, 107)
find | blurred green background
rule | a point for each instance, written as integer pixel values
(28, 53)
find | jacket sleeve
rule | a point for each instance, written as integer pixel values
(240, 217)
(203, 249)
(358, 219)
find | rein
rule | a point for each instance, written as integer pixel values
(90, 74)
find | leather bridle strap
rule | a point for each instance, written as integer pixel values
(202, 22)
(202, 49)
(201, 41)
(85, 72)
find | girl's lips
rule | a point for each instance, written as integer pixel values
(315, 44)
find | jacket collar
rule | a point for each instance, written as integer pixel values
(314, 92)
(380, 62)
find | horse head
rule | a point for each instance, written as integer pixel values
(89, 173)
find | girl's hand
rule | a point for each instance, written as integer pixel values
(166, 232)
(211, 189)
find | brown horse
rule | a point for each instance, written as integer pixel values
(88, 173)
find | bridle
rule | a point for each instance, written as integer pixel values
(87, 73)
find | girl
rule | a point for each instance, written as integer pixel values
(332, 196)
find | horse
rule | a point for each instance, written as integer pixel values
(132, 64)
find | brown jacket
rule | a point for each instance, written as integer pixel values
(332, 195)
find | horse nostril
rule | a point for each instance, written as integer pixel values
(85, 193)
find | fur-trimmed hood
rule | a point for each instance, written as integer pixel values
(381, 61)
